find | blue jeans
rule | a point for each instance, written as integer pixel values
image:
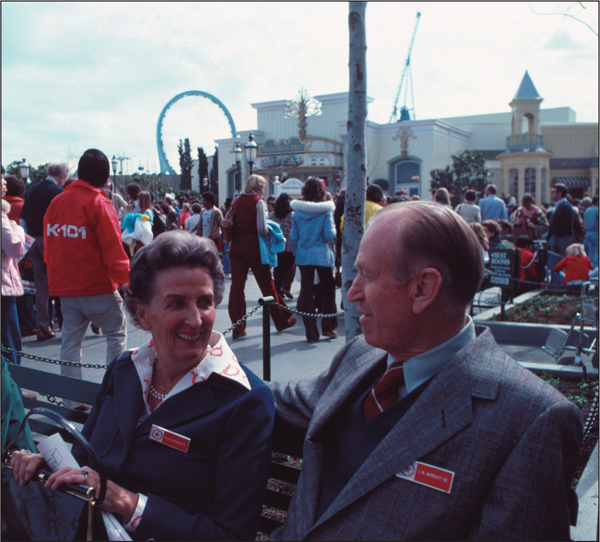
(226, 261)
(590, 242)
(11, 335)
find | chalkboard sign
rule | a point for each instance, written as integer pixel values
(504, 267)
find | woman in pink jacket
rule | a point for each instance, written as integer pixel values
(13, 246)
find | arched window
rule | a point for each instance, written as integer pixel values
(530, 181)
(406, 174)
(513, 182)
(408, 171)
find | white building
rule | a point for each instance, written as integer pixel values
(527, 148)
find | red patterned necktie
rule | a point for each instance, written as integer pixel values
(385, 393)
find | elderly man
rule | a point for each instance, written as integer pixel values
(37, 200)
(86, 261)
(492, 207)
(423, 428)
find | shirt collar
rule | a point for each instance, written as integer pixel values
(422, 367)
(51, 180)
(219, 359)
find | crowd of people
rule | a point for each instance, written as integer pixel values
(421, 428)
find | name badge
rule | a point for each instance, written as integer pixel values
(168, 438)
(428, 475)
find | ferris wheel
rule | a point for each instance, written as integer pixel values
(165, 167)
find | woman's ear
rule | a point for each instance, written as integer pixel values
(426, 287)
(140, 310)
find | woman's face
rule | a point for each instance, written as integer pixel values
(180, 316)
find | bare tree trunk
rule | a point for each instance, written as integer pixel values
(354, 210)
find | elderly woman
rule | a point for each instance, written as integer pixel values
(208, 480)
(250, 219)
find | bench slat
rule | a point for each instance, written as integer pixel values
(62, 386)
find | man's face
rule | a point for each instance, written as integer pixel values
(383, 302)
(63, 179)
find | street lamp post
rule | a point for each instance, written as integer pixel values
(238, 165)
(205, 183)
(251, 152)
(114, 162)
(24, 170)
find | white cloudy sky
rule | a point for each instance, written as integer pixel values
(80, 75)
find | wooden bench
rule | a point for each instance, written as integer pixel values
(287, 443)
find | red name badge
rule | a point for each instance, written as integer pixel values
(428, 475)
(168, 438)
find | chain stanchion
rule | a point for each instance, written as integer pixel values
(265, 303)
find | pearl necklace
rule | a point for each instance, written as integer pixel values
(154, 392)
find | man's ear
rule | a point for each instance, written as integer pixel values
(426, 287)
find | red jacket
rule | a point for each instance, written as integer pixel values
(82, 243)
(527, 265)
(576, 268)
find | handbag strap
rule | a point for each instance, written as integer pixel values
(76, 434)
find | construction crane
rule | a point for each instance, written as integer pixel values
(404, 111)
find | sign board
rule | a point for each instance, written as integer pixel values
(293, 187)
(504, 267)
(285, 146)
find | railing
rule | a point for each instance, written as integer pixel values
(523, 141)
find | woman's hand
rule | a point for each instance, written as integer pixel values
(24, 464)
(117, 500)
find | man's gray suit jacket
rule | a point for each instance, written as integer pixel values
(512, 441)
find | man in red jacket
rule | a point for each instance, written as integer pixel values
(86, 261)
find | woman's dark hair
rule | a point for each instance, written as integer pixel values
(491, 226)
(282, 205)
(527, 199)
(172, 218)
(14, 185)
(470, 195)
(171, 249)
(374, 193)
(144, 200)
(133, 190)
(313, 190)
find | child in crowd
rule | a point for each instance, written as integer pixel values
(527, 271)
(576, 265)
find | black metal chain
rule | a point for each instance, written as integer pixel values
(101, 365)
(307, 314)
(241, 320)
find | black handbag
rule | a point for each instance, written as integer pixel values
(33, 512)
